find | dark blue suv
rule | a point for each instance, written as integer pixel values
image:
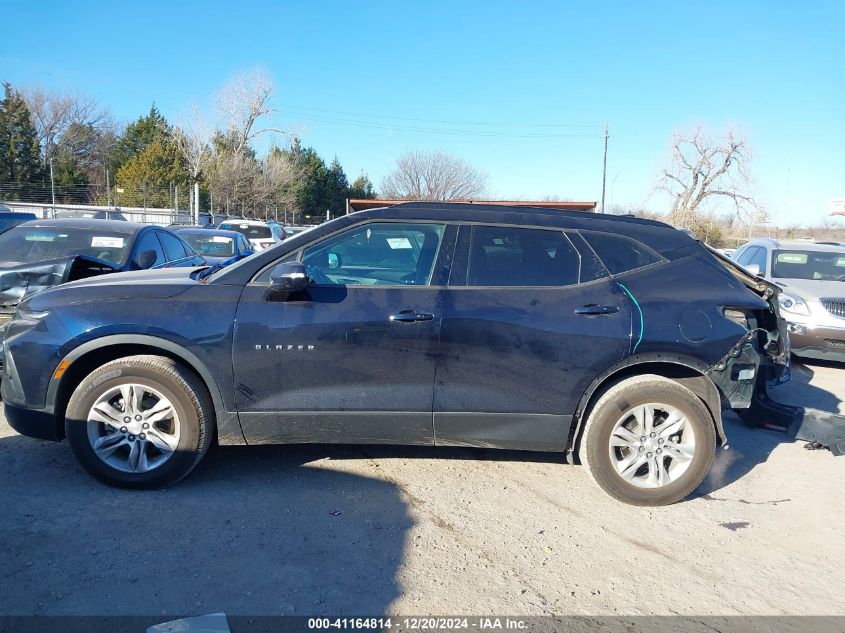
(614, 340)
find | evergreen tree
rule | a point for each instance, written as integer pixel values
(362, 188)
(138, 135)
(146, 161)
(337, 188)
(154, 168)
(20, 155)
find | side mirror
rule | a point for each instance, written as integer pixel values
(147, 259)
(754, 269)
(288, 278)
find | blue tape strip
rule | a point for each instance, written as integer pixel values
(642, 318)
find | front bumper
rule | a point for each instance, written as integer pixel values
(25, 418)
(36, 423)
(5, 317)
(821, 343)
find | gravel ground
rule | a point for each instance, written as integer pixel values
(352, 530)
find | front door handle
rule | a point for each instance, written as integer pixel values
(411, 316)
(596, 310)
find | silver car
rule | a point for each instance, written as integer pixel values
(812, 275)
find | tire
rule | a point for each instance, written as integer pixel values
(165, 396)
(629, 469)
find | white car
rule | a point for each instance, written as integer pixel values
(260, 234)
(812, 275)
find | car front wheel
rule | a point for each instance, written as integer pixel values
(648, 441)
(139, 422)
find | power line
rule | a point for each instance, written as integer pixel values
(450, 132)
(447, 122)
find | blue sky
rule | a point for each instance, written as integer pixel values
(774, 70)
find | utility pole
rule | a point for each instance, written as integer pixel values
(196, 203)
(145, 199)
(108, 190)
(52, 188)
(604, 171)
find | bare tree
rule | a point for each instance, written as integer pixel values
(703, 169)
(242, 103)
(193, 139)
(54, 114)
(433, 176)
(254, 188)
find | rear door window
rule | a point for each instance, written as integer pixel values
(619, 253)
(510, 256)
(148, 252)
(173, 248)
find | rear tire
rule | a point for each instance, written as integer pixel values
(153, 441)
(648, 441)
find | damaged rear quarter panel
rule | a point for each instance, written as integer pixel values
(693, 323)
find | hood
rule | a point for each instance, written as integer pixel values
(812, 289)
(157, 276)
(138, 285)
(220, 261)
(19, 280)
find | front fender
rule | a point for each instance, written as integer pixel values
(228, 425)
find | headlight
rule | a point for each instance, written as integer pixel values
(793, 304)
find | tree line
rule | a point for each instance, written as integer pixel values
(155, 163)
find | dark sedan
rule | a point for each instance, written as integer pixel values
(218, 248)
(44, 253)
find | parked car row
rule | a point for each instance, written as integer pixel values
(614, 340)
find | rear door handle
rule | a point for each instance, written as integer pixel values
(596, 310)
(411, 316)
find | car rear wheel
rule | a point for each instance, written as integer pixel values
(140, 422)
(648, 441)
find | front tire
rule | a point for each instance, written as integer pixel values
(140, 422)
(648, 441)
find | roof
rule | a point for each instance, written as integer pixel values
(117, 226)
(201, 231)
(247, 222)
(359, 204)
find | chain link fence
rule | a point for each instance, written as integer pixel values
(147, 204)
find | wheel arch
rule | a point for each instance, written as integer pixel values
(92, 354)
(686, 371)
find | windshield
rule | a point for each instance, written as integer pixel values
(210, 245)
(252, 231)
(32, 244)
(808, 264)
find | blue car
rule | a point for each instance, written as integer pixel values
(217, 247)
(613, 340)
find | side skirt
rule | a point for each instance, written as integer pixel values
(338, 427)
(515, 431)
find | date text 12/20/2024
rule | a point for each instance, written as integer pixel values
(419, 623)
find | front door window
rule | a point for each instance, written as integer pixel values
(376, 254)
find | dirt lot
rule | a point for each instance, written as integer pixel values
(354, 530)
